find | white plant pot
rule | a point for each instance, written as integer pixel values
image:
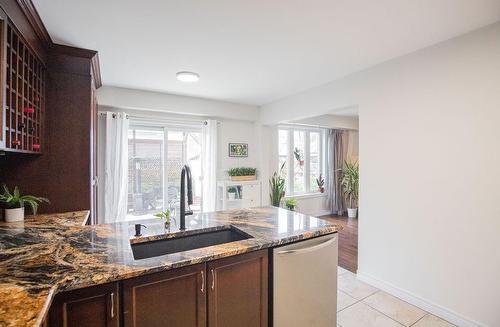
(352, 212)
(231, 196)
(13, 215)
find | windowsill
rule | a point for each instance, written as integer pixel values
(306, 195)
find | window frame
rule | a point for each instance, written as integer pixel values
(165, 127)
(290, 129)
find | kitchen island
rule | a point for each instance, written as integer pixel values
(51, 254)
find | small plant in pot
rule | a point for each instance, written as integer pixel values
(166, 217)
(291, 204)
(15, 203)
(350, 185)
(231, 192)
(298, 156)
(321, 183)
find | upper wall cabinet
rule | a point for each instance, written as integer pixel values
(23, 93)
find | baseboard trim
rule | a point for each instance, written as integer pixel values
(417, 301)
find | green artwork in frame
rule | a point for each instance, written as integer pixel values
(238, 149)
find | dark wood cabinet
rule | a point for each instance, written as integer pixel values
(231, 291)
(238, 290)
(89, 307)
(48, 113)
(175, 298)
(22, 91)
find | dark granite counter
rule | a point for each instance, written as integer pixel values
(47, 254)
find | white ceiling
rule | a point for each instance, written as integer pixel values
(254, 51)
(346, 112)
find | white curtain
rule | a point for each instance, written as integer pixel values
(209, 165)
(115, 167)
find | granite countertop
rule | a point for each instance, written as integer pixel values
(47, 254)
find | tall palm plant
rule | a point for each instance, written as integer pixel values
(350, 183)
(277, 186)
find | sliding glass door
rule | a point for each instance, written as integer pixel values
(156, 157)
(183, 147)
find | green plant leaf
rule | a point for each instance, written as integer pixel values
(16, 200)
(350, 182)
(242, 171)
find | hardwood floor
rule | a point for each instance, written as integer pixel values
(348, 241)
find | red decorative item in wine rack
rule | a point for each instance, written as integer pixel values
(24, 95)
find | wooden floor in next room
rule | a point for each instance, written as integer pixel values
(348, 241)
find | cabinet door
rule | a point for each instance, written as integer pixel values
(251, 195)
(89, 307)
(173, 298)
(238, 291)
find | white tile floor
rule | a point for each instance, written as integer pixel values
(362, 305)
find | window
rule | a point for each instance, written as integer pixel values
(155, 159)
(302, 151)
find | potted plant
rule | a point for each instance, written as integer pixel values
(15, 203)
(298, 156)
(167, 217)
(231, 192)
(321, 183)
(291, 204)
(350, 186)
(242, 174)
(277, 186)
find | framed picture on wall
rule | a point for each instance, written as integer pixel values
(238, 149)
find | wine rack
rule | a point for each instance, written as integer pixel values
(24, 95)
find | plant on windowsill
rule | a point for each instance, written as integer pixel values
(350, 186)
(231, 192)
(321, 183)
(277, 186)
(166, 217)
(298, 156)
(242, 174)
(291, 204)
(15, 203)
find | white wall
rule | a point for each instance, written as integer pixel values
(117, 97)
(429, 166)
(234, 131)
(331, 121)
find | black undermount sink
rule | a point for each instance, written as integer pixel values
(202, 239)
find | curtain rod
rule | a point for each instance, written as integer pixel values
(103, 113)
(152, 118)
(316, 126)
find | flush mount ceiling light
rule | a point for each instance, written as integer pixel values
(188, 77)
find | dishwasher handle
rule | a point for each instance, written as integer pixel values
(310, 248)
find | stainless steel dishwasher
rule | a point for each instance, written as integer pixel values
(305, 283)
